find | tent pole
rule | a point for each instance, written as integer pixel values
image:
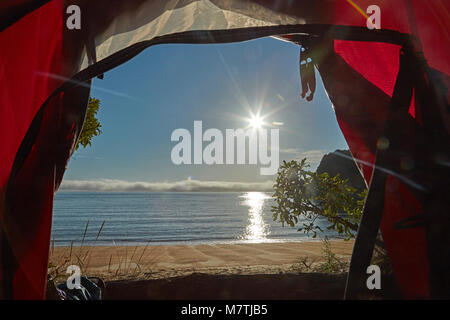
(374, 204)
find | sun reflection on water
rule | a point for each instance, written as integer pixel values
(257, 230)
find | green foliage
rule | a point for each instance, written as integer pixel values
(91, 125)
(329, 262)
(302, 196)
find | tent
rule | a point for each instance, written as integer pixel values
(388, 86)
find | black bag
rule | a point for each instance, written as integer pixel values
(89, 289)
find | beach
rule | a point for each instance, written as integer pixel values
(192, 246)
(165, 261)
(209, 271)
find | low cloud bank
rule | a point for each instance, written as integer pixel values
(176, 186)
(312, 156)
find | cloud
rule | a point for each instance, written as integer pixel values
(188, 185)
(293, 151)
(312, 156)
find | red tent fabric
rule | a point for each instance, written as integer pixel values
(34, 50)
(379, 63)
(41, 111)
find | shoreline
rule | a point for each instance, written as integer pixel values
(166, 261)
(125, 243)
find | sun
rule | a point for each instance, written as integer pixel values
(256, 122)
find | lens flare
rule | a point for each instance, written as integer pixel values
(256, 122)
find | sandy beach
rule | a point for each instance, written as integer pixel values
(214, 271)
(156, 262)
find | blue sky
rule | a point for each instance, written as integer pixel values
(169, 86)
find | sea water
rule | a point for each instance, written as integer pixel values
(170, 218)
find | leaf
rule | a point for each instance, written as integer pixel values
(301, 194)
(91, 125)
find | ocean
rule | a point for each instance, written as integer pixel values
(170, 218)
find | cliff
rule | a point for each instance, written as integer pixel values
(341, 162)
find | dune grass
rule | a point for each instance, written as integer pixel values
(119, 266)
(330, 262)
